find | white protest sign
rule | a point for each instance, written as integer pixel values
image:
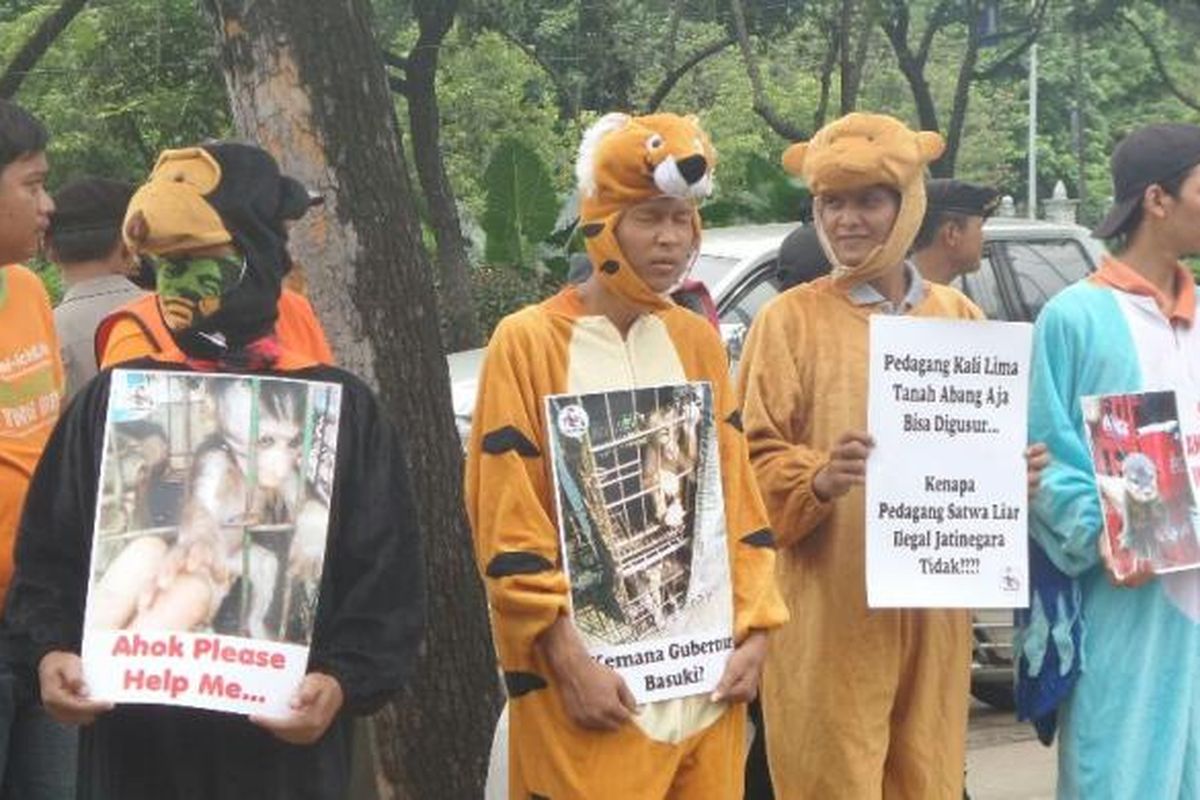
(211, 523)
(946, 496)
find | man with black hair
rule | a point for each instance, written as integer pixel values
(950, 240)
(36, 754)
(1117, 651)
(84, 240)
(801, 258)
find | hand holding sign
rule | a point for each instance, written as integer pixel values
(593, 695)
(1037, 458)
(847, 466)
(64, 694)
(739, 684)
(314, 706)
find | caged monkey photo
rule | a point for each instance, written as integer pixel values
(214, 505)
(640, 510)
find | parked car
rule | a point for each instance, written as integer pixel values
(1025, 262)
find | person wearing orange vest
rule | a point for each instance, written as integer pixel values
(214, 218)
(137, 329)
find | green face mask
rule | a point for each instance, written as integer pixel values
(190, 289)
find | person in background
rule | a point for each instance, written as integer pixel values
(950, 240)
(37, 754)
(801, 258)
(84, 241)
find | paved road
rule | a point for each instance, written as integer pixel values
(1005, 761)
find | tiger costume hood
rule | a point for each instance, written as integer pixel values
(625, 160)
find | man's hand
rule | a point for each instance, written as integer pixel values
(593, 695)
(64, 694)
(739, 684)
(1142, 569)
(847, 466)
(314, 706)
(1037, 458)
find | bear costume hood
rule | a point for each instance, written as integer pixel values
(859, 151)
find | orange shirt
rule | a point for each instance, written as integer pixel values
(31, 389)
(136, 330)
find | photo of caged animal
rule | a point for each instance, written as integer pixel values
(214, 506)
(632, 473)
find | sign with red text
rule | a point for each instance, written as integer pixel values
(209, 541)
(946, 485)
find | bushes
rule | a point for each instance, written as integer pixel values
(499, 291)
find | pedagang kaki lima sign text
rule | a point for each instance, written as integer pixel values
(946, 484)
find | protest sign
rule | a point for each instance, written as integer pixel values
(1147, 496)
(641, 516)
(209, 539)
(946, 493)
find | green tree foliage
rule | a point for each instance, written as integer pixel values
(125, 80)
(521, 205)
(129, 77)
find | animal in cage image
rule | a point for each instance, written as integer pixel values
(1142, 476)
(213, 509)
(640, 510)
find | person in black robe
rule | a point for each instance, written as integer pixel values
(370, 614)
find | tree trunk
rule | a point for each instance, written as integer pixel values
(944, 167)
(311, 88)
(460, 324)
(36, 46)
(852, 75)
(762, 105)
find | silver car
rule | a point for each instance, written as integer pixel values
(1025, 262)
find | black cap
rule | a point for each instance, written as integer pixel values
(1151, 154)
(90, 204)
(801, 258)
(960, 197)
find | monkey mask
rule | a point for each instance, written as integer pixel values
(213, 218)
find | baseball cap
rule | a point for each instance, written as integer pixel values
(1149, 155)
(960, 197)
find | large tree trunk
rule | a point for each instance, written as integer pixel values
(460, 322)
(308, 84)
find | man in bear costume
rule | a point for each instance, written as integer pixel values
(858, 702)
(575, 731)
(214, 219)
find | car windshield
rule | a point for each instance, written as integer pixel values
(711, 270)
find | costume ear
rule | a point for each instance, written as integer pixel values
(931, 145)
(193, 166)
(793, 158)
(294, 199)
(585, 164)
